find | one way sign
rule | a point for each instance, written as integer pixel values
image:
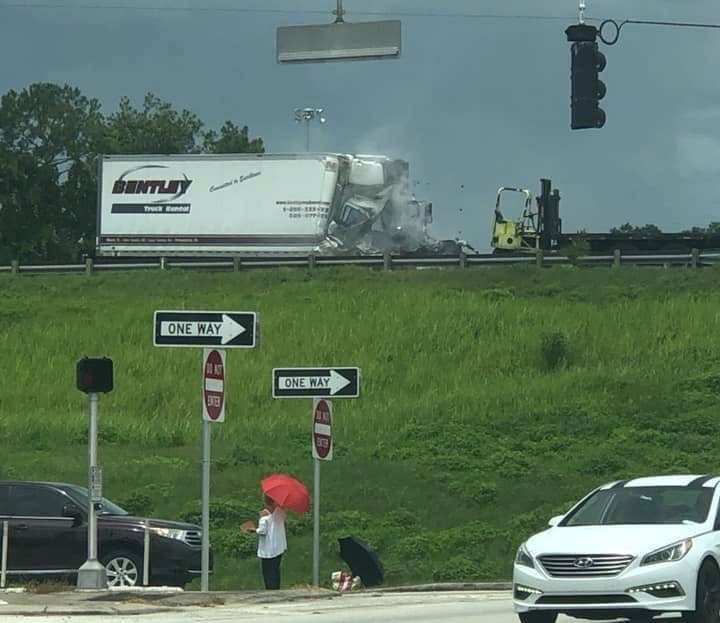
(316, 382)
(203, 329)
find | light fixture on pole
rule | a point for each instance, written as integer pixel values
(308, 115)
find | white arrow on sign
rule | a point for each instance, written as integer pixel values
(335, 382)
(227, 330)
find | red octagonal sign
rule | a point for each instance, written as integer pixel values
(214, 385)
(322, 429)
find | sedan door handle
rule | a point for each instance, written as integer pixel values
(21, 526)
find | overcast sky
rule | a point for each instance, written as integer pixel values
(473, 104)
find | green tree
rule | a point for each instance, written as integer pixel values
(157, 128)
(638, 230)
(712, 229)
(232, 140)
(48, 139)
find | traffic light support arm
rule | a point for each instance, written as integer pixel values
(618, 27)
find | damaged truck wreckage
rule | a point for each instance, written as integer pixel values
(246, 204)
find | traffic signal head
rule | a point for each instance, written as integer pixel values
(587, 89)
(95, 375)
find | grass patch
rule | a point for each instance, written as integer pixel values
(492, 399)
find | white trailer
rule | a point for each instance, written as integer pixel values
(252, 204)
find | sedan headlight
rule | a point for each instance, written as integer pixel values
(524, 558)
(668, 554)
(169, 533)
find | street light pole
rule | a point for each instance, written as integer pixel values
(307, 115)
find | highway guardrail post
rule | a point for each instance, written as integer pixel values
(539, 256)
(88, 266)
(617, 258)
(237, 264)
(3, 562)
(163, 263)
(312, 261)
(14, 267)
(695, 262)
(387, 260)
(463, 260)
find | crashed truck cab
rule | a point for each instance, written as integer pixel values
(376, 209)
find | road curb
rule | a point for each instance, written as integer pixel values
(39, 611)
(447, 587)
(129, 603)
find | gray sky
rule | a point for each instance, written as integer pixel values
(473, 104)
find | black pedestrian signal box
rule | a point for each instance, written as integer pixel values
(95, 375)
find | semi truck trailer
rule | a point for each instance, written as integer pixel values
(245, 204)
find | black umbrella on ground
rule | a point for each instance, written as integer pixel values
(363, 562)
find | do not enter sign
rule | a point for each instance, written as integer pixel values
(214, 385)
(322, 429)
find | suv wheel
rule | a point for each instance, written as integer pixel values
(707, 597)
(538, 617)
(123, 569)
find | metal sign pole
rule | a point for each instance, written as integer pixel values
(205, 562)
(316, 525)
(92, 574)
(92, 514)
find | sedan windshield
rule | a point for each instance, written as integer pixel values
(106, 506)
(643, 505)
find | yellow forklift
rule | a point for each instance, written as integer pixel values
(534, 229)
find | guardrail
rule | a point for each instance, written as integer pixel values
(387, 262)
(5, 545)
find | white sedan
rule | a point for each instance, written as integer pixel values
(629, 549)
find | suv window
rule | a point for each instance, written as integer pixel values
(4, 500)
(29, 501)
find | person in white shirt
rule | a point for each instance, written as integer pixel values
(272, 542)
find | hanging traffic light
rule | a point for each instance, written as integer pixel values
(587, 88)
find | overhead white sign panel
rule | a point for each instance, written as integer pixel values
(343, 41)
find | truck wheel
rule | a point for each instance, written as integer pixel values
(123, 569)
(538, 617)
(707, 597)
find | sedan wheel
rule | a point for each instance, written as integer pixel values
(707, 598)
(122, 570)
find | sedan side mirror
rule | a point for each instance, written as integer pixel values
(555, 520)
(73, 512)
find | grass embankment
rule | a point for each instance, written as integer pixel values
(492, 399)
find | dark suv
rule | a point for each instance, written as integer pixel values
(48, 536)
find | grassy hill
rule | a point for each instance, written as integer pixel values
(492, 399)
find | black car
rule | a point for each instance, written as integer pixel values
(48, 537)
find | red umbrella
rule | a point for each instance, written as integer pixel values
(287, 492)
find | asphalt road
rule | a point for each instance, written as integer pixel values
(362, 608)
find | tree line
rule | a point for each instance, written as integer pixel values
(50, 140)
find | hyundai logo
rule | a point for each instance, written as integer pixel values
(584, 563)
